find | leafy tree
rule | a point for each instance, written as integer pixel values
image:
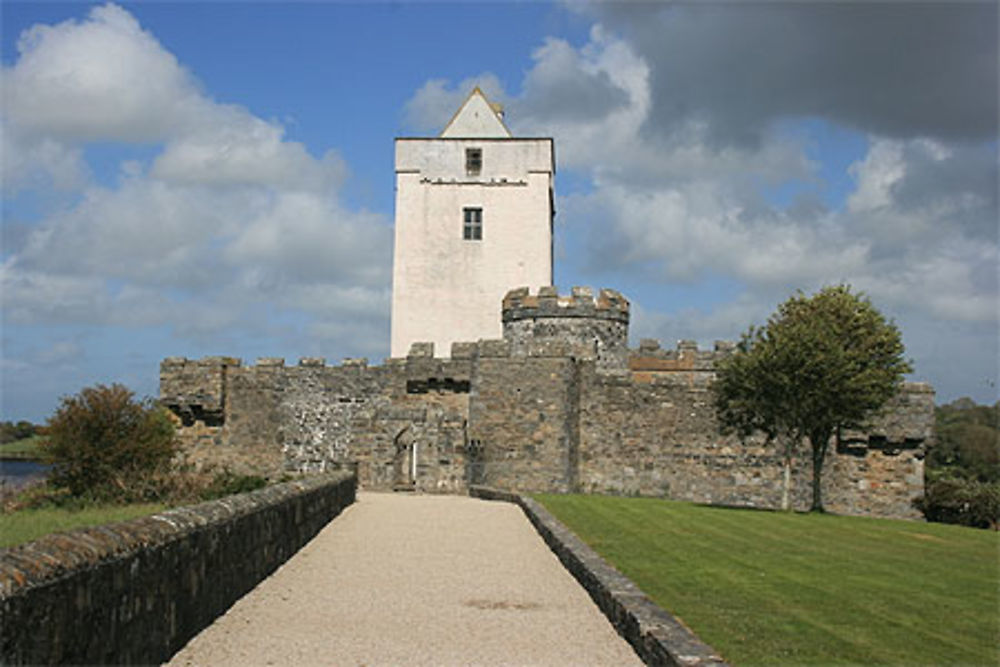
(966, 441)
(962, 473)
(11, 432)
(102, 440)
(821, 364)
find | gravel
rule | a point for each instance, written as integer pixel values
(416, 580)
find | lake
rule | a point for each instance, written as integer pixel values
(15, 472)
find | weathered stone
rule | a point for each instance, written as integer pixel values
(136, 592)
(560, 404)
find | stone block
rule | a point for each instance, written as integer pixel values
(421, 350)
(493, 348)
(649, 346)
(463, 350)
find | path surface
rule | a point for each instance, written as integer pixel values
(416, 580)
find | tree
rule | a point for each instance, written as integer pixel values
(965, 443)
(102, 440)
(821, 364)
(962, 467)
(11, 432)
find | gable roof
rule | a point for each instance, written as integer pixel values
(478, 118)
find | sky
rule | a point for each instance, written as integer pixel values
(194, 179)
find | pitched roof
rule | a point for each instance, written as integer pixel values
(477, 117)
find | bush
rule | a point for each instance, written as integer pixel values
(227, 483)
(966, 502)
(966, 441)
(106, 445)
(12, 432)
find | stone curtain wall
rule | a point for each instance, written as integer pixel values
(561, 404)
(137, 591)
(522, 414)
(878, 471)
(657, 435)
(314, 418)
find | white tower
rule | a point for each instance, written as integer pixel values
(474, 212)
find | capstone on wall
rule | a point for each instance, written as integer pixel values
(559, 404)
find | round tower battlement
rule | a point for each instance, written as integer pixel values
(520, 304)
(579, 325)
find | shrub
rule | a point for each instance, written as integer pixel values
(104, 444)
(967, 502)
(227, 483)
(12, 432)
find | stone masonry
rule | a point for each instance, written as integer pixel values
(559, 404)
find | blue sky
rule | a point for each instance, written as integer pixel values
(216, 178)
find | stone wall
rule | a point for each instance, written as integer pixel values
(654, 432)
(560, 404)
(137, 591)
(522, 417)
(383, 422)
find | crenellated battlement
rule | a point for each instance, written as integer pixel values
(196, 389)
(520, 304)
(578, 325)
(686, 356)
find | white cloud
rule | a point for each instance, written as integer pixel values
(231, 147)
(38, 163)
(225, 221)
(36, 297)
(600, 138)
(876, 175)
(103, 79)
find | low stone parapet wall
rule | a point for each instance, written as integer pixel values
(137, 591)
(657, 637)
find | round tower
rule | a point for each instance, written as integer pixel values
(577, 324)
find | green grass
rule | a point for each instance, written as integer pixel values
(26, 448)
(768, 587)
(30, 524)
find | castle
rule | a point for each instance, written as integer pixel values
(546, 397)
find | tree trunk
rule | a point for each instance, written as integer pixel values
(786, 481)
(819, 442)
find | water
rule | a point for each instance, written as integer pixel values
(17, 472)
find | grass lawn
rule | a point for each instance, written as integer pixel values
(768, 587)
(30, 524)
(26, 448)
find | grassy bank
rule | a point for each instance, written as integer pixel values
(766, 588)
(26, 448)
(30, 524)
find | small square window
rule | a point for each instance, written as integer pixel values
(473, 161)
(472, 226)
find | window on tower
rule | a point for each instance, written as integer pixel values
(472, 227)
(473, 161)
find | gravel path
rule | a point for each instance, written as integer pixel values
(416, 580)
